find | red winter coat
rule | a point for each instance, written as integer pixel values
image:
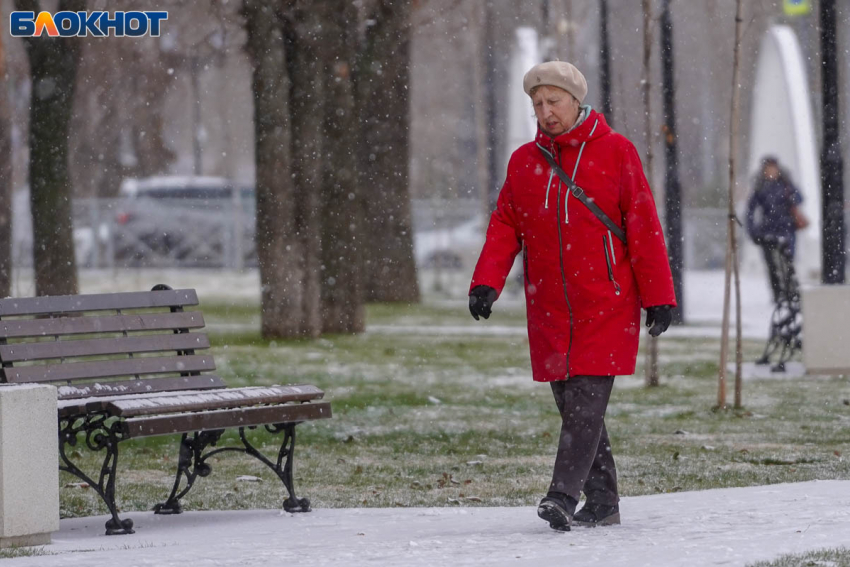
(583, 287)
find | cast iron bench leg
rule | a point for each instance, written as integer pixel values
(191, 463)
(99, 436)
(282, 469)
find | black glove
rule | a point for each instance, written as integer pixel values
(481, 299)
(658, 318)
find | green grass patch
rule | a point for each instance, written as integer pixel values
(15, 551)
(835, 557)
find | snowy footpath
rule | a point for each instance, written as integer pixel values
(733, 526)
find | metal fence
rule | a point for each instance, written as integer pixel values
(219, 233)
(215, 233)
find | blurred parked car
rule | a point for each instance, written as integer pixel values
(189, 221)
(453, 248)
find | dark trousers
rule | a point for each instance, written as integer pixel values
(779, 259)
(774, 272)
(584, 462)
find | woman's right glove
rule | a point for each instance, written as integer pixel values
(658, 318)
(481, 299)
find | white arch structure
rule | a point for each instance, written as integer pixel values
(522, 126)
(782, 125)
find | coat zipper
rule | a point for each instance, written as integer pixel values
(608, 256)
(525, 263)
(563, 272)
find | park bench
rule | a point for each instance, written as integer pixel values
(130, 365)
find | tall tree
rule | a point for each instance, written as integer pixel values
(482, 71)
(832, 165)
(5, 181)
(383, 93)
(53, 67)
(605, 63)
(672, 188)
(278, 250)
(651, 361)
(305, 33)
(343, 216)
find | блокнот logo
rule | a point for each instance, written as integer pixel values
(82, 24)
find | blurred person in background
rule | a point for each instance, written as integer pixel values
(773, 217)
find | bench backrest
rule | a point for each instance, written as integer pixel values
(106, 344)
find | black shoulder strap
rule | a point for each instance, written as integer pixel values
(579, 194)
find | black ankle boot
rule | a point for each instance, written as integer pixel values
(557, 509)
(592, 515)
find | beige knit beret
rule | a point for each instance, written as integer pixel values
(557, 74)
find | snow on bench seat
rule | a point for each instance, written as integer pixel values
(135, 404)
(212, 399)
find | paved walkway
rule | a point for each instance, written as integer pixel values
(733, 526)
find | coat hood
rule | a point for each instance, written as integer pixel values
(593, 127)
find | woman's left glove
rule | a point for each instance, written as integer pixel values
(481, 299)
(658, 318)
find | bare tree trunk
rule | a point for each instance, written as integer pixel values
(652, 344)
(672, 187)
(343, 217)
(53, 67)
(731, 256)
(480, 64)
(490, 89)
(305, 38)
(571, 35)
(733, 152)
(739, 350)
(832, 165)
(383, 81)
(5, 181)
(605, 63)
(278, 250)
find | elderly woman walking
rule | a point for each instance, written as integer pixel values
(577, 205)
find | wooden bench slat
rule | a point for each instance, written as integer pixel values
(94, 404)
(218, 399)
(23, 328)
(145, 386)
(108, 345)
(14, 306)
(108, 368)
(156, 399)
(223, 419)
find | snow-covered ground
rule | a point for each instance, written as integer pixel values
(733, 526)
